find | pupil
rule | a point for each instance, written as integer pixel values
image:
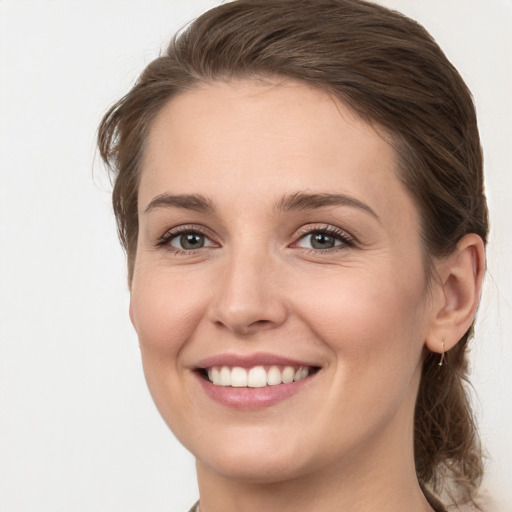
(191, 241)
(322, 241)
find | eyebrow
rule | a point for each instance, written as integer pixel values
(304, 201)
(194, 202)
(291, 202)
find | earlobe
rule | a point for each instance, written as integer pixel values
(460, 278)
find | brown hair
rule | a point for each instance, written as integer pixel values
(391, 72)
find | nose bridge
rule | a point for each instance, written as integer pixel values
(247, 296)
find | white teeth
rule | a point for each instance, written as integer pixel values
(224, 377)
(288, 374)
(213, 374)
(255, 377)
(274, 376)
(238, 377)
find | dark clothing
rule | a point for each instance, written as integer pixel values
(434, 503)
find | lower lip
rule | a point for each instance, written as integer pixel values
(251, 398)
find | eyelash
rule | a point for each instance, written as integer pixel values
(324, 229)
(334, 232)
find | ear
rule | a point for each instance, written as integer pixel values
(456, 293)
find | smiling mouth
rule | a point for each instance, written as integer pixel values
(256, 376)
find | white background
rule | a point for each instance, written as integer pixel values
(78, 431)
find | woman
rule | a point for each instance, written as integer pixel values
(299, 189)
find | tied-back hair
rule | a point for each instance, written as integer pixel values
(388, 70)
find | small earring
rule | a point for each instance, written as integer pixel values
(442, 360)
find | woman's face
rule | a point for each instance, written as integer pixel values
(277, 242)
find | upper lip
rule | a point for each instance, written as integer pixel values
(251, 360)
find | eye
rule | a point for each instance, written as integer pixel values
(188, 241)
(185, 240)
(318, 240)
(324, 239)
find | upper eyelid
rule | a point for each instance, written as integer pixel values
(184, 228)
(318, 228)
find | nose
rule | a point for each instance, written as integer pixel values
(248, 297)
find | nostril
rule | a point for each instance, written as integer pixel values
(258, 323)
(246, 329)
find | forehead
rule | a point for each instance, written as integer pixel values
(266, 138)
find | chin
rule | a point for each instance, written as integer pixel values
(255, 468)
(262, 460)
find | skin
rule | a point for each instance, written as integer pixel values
(360, 311)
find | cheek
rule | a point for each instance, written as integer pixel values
(367, 316)
(375, 334)
(166, 309)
